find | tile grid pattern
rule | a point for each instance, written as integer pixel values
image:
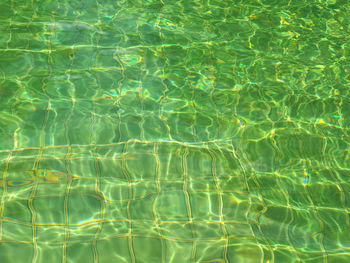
(132, 155)
(192, 187)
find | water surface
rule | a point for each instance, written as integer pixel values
(174, 131)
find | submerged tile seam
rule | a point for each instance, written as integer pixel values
(3, 198)
(221, 206)
(157, 168)
(186, 144)
(188, 202)
(130, 194)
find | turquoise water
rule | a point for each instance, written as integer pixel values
(174, 131)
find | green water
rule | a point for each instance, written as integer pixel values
(174, 131)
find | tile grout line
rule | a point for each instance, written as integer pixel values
(3, 198)
(233, 150)
(155, 152)
(188, 204)
(219, 192)
(130, 236)
(102, 203)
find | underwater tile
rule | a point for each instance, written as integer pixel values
(142, 208)
(49, 252)
(51, 234)
(17, 210)
(172, 206)
(204, 206)
(178, 252)
(83, 208)
(49, 210)
(212, 251)
(18, 252)
(112, 229)
(147, 249)
(12, 230)
(114, 249)
(80, 252)
(115, 211)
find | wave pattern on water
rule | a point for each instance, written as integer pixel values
(174, 131)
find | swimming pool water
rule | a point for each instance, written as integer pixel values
(174, 131)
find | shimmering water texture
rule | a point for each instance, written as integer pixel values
(174, 131)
